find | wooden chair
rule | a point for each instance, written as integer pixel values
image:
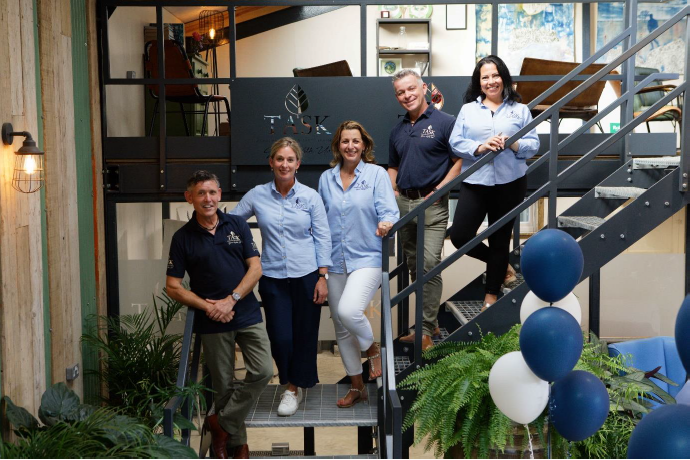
(334, 69)
(177, 65)
(584, 107)
(648, 96)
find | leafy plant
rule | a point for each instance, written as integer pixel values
(142, 360)
(453, 404)
(74, 430)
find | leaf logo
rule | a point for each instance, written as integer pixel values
(296, 101)
(436, 96)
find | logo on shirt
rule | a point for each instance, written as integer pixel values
(170, 264)
(254, 246)
(514, 116)
(300, 205)
(234, 239)
(362, 186)
(428, 133)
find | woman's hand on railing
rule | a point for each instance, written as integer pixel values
(383, 228)
(492, 144)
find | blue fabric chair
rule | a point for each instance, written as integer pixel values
(648, 354)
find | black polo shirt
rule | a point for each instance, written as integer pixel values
(216, 265)
(422, 152)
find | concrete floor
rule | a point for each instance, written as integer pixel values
(329, 441)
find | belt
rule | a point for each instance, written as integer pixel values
(416, 193)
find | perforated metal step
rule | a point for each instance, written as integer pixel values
(401, 363)
(317, 408)
(437, 338)
(618, 193)
(586, 222)
(464, 310)
(300, 454)
(656, 163)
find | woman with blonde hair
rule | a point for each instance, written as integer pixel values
(296, 253)
(361, 209)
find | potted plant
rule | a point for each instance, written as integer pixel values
(141, 363)
(70, 429)
(454, 411)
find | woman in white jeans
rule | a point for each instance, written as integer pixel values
(361, 208)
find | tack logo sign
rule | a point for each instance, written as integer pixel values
(295, 121)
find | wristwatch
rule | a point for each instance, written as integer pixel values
(236, 296)
(323, 275)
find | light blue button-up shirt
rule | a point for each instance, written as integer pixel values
(354, 214)
(475, 125)
(295, 239)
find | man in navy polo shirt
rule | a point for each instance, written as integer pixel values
(218, 252)
(420, 161)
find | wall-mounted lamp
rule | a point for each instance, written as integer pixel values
(29, 165)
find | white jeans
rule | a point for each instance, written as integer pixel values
(348, 297)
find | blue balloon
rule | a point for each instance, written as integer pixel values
(683, 333)
(551, 343)
(663, 433)
(579, 405)
(552, 264)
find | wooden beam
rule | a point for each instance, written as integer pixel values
(21, 289)
(55, 53)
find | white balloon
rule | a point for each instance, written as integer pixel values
(532, 303)
(516, 391)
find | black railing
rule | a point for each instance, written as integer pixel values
(550, 187)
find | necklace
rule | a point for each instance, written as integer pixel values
(206, 228)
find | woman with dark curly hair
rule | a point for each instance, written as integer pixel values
(491, 114)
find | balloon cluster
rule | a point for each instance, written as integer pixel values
(550, 344)
(665, 432)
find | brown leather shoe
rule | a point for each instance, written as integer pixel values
(219, 437)
(410, 337)
(242, 451)
(427, 342)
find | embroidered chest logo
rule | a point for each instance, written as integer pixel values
(514, 116)
(170, 264)
(300, 205)
(428, 133)
(362, 186)
(234, 239)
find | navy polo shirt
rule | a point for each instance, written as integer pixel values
(216, 265)
(422, 152)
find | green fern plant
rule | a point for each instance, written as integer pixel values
(453, 405)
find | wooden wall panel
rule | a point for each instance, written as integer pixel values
(61, 192)
(21, 290)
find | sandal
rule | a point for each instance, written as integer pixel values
(361, 396)
(372, 368)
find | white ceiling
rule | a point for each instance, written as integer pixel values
(190, 13)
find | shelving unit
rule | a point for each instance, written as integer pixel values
(418, 30)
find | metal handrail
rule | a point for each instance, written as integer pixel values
(550, 186)
(178, 401)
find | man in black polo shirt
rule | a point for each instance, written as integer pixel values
(218, 252)
(420, 161)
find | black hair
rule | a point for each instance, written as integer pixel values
(201, 176)
(474, 90)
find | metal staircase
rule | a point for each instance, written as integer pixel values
(633, 200)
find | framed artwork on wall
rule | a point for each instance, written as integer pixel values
(456, 17)
(389, 66)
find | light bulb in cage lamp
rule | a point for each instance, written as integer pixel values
(29, 170)
(212, 34)
(211, 23)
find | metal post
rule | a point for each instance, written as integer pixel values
(419, 291)
(595, 302)
(363, 38)
(685, 125)
(628, 68)
(232, 28)
(687, 253)
(494, 28)
(163, 106)
(309, 448)
(553, 172)
(365, 442)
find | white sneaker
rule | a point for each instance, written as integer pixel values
(289, 402)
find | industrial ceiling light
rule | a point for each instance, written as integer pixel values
(29, 165)
(211, 24)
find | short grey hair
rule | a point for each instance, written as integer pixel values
(406, 73)
(201, 176)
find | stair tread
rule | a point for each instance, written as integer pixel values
(464, 310)
(586, 222)
(317, 408)
(618, 192)
(656, 163)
